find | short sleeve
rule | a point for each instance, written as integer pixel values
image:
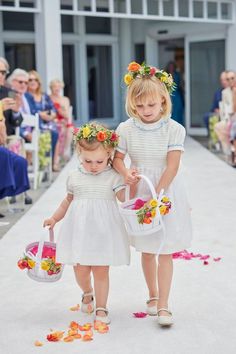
(69, 186)
(176, 138)
(118, 183)
(122, 145)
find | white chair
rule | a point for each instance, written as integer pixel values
(33, 122)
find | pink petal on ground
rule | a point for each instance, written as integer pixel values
(217, 259)
(139, 314)
(203, 258)
(205, 263)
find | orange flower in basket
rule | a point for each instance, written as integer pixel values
(147, 220)
(133, 66)
(101, 136)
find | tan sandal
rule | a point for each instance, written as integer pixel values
(152, 310)
(104, 319)
(165, 321)
(89, 307)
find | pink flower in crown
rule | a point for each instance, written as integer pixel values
(75, 131)
(114, 136)
(153, 70)
(139, 203)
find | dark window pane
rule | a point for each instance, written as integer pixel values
(28, 3)
(67, 4)
(99, 63)
(20, 55)
(18, 21)
(67, 24)
(69, 73)
(140, 53)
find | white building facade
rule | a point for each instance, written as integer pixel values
(89, 43)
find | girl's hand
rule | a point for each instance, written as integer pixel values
(131, 176)
(49, 222)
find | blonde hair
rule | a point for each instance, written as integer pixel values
(56, 81)
(147, 86)
(39, 90)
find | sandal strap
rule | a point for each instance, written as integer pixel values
(101, 309)
(164, 309)
(152, 299)
(87, 294)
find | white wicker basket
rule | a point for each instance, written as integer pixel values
(129, 215)
(37, 273)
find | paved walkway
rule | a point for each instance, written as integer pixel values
(203, 298)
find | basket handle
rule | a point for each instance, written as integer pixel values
(150, 185)
(38, 256)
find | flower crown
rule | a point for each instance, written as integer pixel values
(137, 70)
(95, 132)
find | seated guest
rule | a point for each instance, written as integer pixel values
(63, 117)
(14, 176)
(226, 111)
(216, 99)
(12, 114)
(18, 81)
(47, 114)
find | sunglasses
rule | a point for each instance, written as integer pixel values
(4, 72)
(33, 79)
(22, 82)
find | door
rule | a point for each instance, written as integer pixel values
(205, 60)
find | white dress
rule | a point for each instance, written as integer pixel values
(92, 232)
(147, 146)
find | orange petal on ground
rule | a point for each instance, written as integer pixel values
(85, 327)
(68, 339)
(77, 336)
(75, 308)
(89, 333)
(72, 332)
(37, 343)
(74, 325)
(103, 329)
(87, 338)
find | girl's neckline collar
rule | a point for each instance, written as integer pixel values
(82, 169)
(150, 126)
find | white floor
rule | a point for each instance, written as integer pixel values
(203, 298)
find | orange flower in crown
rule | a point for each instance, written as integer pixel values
(137, 70)
(94, 131)
(133, 66)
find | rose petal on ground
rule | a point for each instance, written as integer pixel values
(37, 343)
(75, 308)
(86, 338)
(68, 339)
(74, 325)
(139, 314)
(205, 263)
(217, 259)
(202, 258)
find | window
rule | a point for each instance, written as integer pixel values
(168, 8)
(212, 10)
(99, 64)
(20, 55)
(152, 7)
(69, 73)
(98, 25)
(140, 53)
(198, 9)
(183, 8)
(18, 21)
(136, 7)
(67, 24)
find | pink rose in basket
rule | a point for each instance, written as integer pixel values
(139, 203)
(47, 251)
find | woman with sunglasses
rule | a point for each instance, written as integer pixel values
(44, 106)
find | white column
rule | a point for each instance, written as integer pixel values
(231, 48)
(151, 51)
(48, 41)
(126, 56)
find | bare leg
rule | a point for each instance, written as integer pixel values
(56, 157)
(165, 273)
(101, 286)
(150, 273)
(83, 278)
